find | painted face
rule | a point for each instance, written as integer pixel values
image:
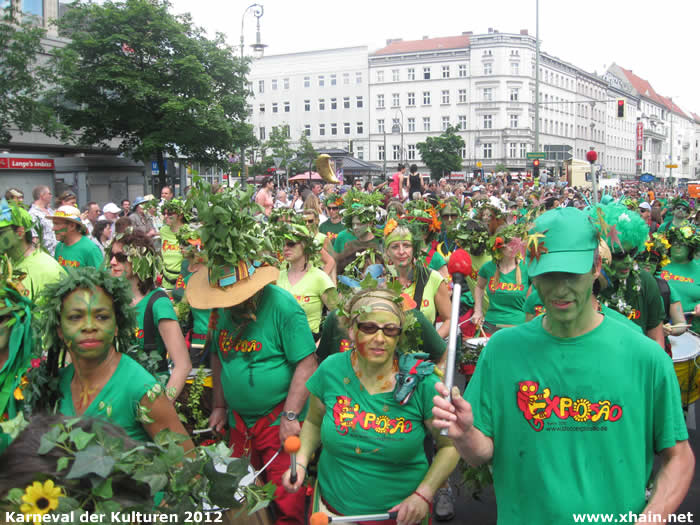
(648, 266)
(117, 264)
(376, 348)
(401, 253)
(359, 229)
(565, 295)
(680, 213)
(486, 216)
(448, 219)
(60, 228)
(622, 264)
(88, 323)
(10, 243)
(333, 211)
(679, 253)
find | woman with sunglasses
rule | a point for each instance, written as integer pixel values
(311, 220)
(683, 272)
(311, 286)
(133, 258)
(369, 439)
(334, 225)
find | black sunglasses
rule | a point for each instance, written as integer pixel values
(390, 330)
(332, 207)
(619, 256)
(121, 257)
(291, 244)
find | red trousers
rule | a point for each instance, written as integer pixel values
(262, 443)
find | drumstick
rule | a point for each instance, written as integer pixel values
(203, 431)
(291, 446)
(266, 465)
(321, 518)
(679, 325)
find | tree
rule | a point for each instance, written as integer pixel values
(22, 104)
(305, 156)
(442, 154)
(278, 146)
(134, 72)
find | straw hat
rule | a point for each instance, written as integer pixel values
(69, 213)
(203, 294)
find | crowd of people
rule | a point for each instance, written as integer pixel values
(322, 311)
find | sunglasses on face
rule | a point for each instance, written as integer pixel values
(121, 257)
(389, 330)
(310, 221)
(291, 244)
(331, 208)
(620, 256)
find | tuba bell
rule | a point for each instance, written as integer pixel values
(325, 169)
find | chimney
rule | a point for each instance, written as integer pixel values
(490, 29)
(425, 37)
(523, 32)
(467, 33)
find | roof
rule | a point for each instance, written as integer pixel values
(353, 166)
(644, 88)
(426, 44)
(695, 116)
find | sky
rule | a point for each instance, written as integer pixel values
(655, 39)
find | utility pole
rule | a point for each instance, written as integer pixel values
(670, 160)
(537, 75)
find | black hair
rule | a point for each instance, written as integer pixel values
(413, 168)
(100, 228)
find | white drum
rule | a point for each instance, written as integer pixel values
(686, 350)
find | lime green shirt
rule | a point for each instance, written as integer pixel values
(162, 310)
(172, 257)
(41, 269)
(308, 291)
(427, 306)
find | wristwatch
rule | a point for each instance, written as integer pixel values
(291, 416)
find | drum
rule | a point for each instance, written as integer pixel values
(686, 351)
(241, 516)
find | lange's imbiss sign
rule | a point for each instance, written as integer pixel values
(15, 163)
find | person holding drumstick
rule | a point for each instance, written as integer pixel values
(683, 272)
(369, 439)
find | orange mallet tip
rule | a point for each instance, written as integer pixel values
(292, 445)
(319, 518)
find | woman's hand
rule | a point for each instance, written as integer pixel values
(696, 310)
(411, 510)
(301, 474)
(477, 318)
(218, 418)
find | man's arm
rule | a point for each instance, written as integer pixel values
(296, 397)
(672, 483)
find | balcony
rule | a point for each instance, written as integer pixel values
(655, 135)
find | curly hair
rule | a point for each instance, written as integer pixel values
(143, 244)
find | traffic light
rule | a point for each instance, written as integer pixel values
(535, 168)
(620, 108)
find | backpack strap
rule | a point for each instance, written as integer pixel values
(421, 280)
(149, 328)
(665, 291)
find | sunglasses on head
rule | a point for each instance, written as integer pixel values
(389, 330)
(119, 256)
(619, 256)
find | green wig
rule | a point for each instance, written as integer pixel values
(620, 227)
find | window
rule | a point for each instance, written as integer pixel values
(307, 130)
(445, 96)
(307, 105)
(380, 152)
(488, 68)
(462, 122)
(411, 98)
(321, 80)
(411, 73)
(261, 86)
(346, 102)
(307, 82)
(411, 152)
(334, 129)
(514, 93)
(322, 129)
(512, 150)
(463, 153)
(411, 124)
(426, 73)
(488, 94)
(360, 152)
(286, 83)
(360, 102)
(462, 96)
(426, 98)
(445, 122)
(262, 133)
(286, 107)
(515, 68)
(274, 107)
(445, 71)
(334, 103)
(321, 104)
(488, 121)
(462, 70)
(514, 121)
(380, 76)
(358, 77)
(395, 75)
(360, 128)
(488, 151)
(285, 131)
(274, 84)
(380, 101)
(380, 125)
(396, 152)
(346, 78)
(523, 150)
(346, 128)
(333, 79)
(395, 100)
(426, 123)
(514, 52)
(262, 108)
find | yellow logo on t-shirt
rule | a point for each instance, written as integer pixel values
(348, 415)
(668, 276)
(226, 344)
(504, 287)
(66, 263)
(168, 246)
(302, 298)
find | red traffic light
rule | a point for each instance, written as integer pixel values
(620, 107)
(591, 156)
(536, 163)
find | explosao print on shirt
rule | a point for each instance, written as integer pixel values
(560, 412)
(668, 276)
(348, 416)
(226, 345)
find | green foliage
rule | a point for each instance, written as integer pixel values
(305, 157)
(476, 479)
(442, 154)
(135, 72)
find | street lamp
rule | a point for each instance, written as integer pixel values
(398, 128)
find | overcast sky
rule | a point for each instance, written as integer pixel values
(657, 40)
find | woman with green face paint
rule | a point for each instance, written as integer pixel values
(79, 318)
(683, 272)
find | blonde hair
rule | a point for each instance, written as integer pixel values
(312, 203)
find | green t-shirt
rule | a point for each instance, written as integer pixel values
(82, 253)
(369, 441)
(647, 305)
(575, 422)
(41, 269)
(477, 262)
(307, 291)
(172, 257)
(162, 310)
(257, 372)
(437, 261)
(333, 228)
(684, 280)
(507, 298)
(119, 398)
(344, 237)
(427, 305)
(334, 338)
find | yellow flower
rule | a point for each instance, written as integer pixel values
(40, 499)
(649, 245)
(686, 231)
(665, 261)
(390, 226)
(665, 242)
(19, 396)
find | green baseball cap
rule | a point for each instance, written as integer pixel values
(566, 241)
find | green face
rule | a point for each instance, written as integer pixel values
(566, 296)
(648, 266)
(88, 324)
(679, 253)
(360, 229)
(621, 266)
(680, 213)
(10, 243)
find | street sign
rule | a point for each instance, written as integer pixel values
(537, 155)
(646, 177)
(478, 164)
(154, 167)
(671, 166)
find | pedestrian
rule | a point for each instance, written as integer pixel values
(398, 185)
(40, 210)
(264, 196)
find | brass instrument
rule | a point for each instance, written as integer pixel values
(325, 169)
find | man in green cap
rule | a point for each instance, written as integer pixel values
(680, 210)
(38, 266)
(571, 403)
